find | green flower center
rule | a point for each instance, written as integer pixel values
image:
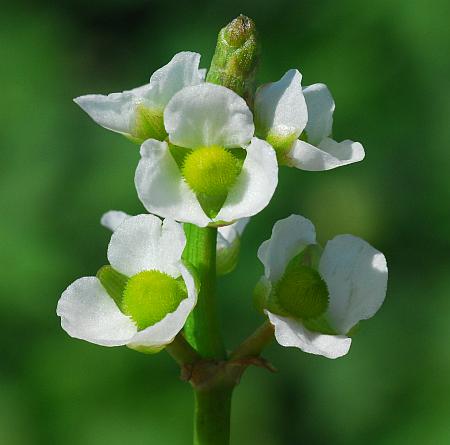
(302, 293)
(210, 173)
(210, 170)
(150, 295)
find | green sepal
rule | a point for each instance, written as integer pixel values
(236, 58)
(319, 324)
(309, 256)
(261, 295)
(147, 349)
(114, 282)
(354, 330)
(211, 205)
(179, 154)
(149, 124)
(281, 144)
(303, 136)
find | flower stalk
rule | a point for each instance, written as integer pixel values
(255, 343)
(202, 327)
(212, 415)
(233, 66)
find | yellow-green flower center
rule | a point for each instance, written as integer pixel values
(210, 170)
(150, 295)
(302, 293)
(210, 173)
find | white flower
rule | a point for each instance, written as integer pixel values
(201, 176)
(283, 111)
(147, 280)
(352, 273)
(228, 238)
(138, 113)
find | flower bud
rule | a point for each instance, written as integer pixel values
(235, 60)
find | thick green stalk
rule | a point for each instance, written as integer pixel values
(233, 66)
(212, 416)
(202, 327)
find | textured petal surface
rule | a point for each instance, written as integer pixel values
(162, 189)
(289, 332)
(356, 275)
(87, 312)
(165, 330)
(254, 186)
(207, 114)
(113, 219)
(280, 108)
(144, 242)
(114, 112)
(320, 105)
(180, 72)
(289, 237)
(330, 154)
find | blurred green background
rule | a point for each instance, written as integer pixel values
(387, 64)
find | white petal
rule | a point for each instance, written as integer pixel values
(87, 312)
(280, 108)
(162, 189)
(165, 330)
(202, 72)
(320, 105)
(144, 242)
(289, 237)
(356, 275)
(330, 154)
(289, 332)
(227, 234)
(228, 246)
(114, 112)
(113, 219)
(180, 72)
(207, 114)
(255, 184)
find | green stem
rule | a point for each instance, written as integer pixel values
(212, 416)
(254, 345)
(202, 327)
(182, 352)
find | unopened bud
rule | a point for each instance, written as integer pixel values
(235, 60)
